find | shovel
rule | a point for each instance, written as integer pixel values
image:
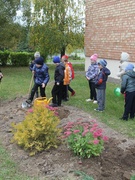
(25, 104)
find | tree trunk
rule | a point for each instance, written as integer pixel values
(63, 51)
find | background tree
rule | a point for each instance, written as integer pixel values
(9, 31)
(56, 25)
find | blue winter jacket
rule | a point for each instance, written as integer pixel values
(41, 74)
(102, 78)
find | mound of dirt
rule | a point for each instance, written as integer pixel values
(117, 162)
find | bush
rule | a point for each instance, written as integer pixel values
(85, 139)
(20, 58)
(38, 131)
(4, 57)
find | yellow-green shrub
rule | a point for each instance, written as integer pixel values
(39, 130)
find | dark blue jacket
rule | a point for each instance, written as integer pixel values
(102, 78)
(41, 74)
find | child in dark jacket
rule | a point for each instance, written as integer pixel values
(36, 56)
(58, 84)
(101, 84)
(40, 71)
(128, 87)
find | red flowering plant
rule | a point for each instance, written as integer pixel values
(85, 138)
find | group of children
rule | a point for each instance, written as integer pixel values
(97, 75)
(63, 74)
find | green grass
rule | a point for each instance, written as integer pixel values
(8, 169)
(133, 177)
(16, 82)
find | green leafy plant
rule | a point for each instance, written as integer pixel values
(132, 177)
(39, 131)
(83, 175)
(85, 138)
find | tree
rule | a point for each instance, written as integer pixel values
(8, 33)
(56, 25)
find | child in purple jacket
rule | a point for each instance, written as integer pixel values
(91, 74)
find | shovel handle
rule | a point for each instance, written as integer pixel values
(31, 82)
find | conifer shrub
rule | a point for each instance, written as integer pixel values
(38, 131)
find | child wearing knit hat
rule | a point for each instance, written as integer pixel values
(124, 60)
(40, 71)
(58, 84)
(91, 74)
(101, 84)
(128, 88)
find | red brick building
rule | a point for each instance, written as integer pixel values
(110, 28)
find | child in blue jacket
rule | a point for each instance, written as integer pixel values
(40, 71)
(101, 84)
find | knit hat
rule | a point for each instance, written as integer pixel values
(37, 54)
(39, 61)
(65, 57)
(124, 56)
(129, 67)
(103, 62)
(56, 59)
(94, 57)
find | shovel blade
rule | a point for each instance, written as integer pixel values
(25, 105)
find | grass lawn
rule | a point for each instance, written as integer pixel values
(8, 169)
(16, 83)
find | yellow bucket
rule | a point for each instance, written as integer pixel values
(42, 101)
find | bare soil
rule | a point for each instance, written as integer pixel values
(117, 161)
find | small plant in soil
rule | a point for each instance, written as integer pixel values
(83, 175)
(85, 139)
(39, 131)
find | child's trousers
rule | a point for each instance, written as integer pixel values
(34, 89)
(57, 94)
(101, 99)
(129, 105)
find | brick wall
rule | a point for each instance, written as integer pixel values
(110, 28)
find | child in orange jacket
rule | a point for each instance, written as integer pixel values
(67, 79)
